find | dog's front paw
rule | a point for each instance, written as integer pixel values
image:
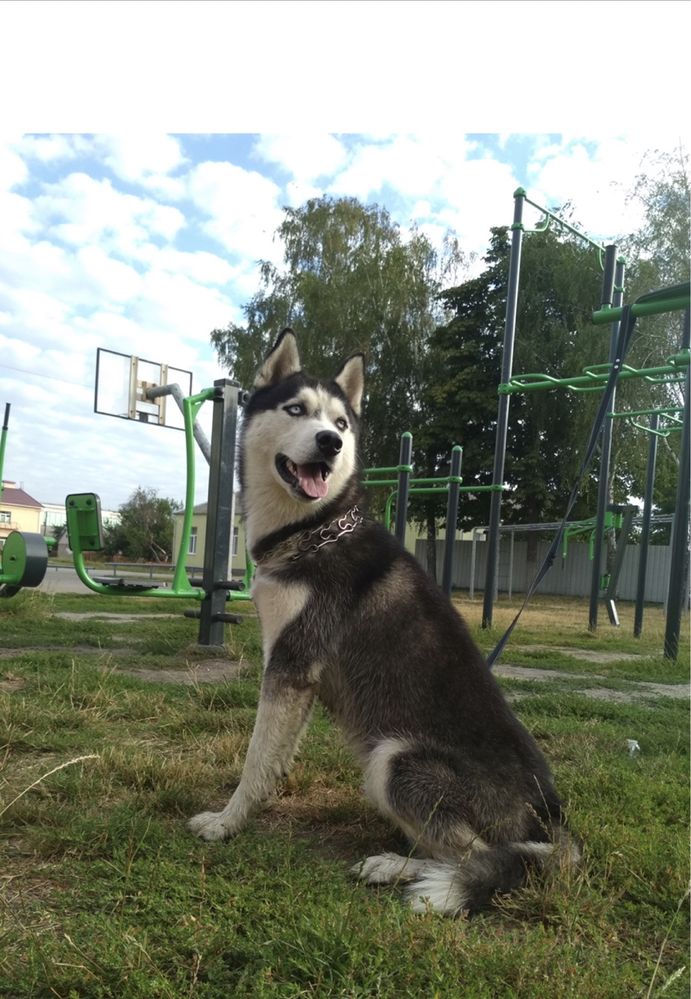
(211, 826)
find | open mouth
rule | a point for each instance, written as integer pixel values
(309, 481)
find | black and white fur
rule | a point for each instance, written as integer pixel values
(358, 624)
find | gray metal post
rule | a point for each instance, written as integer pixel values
(503, 408)
(622, 540)
(645, 529)
(678, 569)
(473, 553)
(404, 459)
(616, 296)
(451, 519)
(176, 392)
(219, 523)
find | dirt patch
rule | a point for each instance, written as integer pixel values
(590, 655)
(636, 689)
(207, 671)
(81, 650)
(72, 616)
(10, 684)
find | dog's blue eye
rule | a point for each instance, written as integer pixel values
(297, 409)
(341, 423)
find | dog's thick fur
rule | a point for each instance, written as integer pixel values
(354, 621)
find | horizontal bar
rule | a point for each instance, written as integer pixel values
(653, 307)
(596, 378)
(663, 411)
(565, 225)
(386, 469)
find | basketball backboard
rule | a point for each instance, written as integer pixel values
(122, 381)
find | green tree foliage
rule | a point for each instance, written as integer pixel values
(350, 282)
(560, 283)
(145, 530)
(657, 256)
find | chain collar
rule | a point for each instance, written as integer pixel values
(309, 542)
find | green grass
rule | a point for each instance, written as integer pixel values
(103, 893)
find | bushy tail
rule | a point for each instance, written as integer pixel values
(468, 885)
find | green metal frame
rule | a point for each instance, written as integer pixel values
(82, 534)
(595, 377)
(435, 485)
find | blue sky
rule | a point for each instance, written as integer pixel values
(143, 235)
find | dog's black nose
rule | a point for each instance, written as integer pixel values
(329, 443)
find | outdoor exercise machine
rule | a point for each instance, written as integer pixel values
(404, 486)
(24, 555)
(131, 388)
(601, 378)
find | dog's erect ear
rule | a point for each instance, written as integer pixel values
(351, 380)
(283, 361)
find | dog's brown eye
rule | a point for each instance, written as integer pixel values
(341, 423)
(296, 409)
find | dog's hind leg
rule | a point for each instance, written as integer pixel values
(472, 836)
(282, 716)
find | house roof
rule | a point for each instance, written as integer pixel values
(13, 496)
(199, 508)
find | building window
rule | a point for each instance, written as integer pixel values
(5, 517)
(192, 550)
(236, 533)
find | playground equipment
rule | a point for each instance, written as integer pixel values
(404, 486)
(24, 556)
(602, 378)
(130, 388)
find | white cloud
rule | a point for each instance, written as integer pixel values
(52, 148)
(145, 158)
(414, 166)
(305, 156)
(81, 210)
(200, 265)
(13, 170)
(137, 156)
(242, 207)
(594, 176)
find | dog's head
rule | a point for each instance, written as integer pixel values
(302, 430)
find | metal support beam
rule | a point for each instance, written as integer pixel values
(678, 571)
(645, 530)
(219, 520)
(503, 408)
(404, 461)
(606, 448)
(622, 541)
(451, 519)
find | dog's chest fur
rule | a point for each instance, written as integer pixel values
(278, 604)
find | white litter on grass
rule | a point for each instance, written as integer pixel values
(633, 747)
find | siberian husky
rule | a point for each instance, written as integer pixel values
(349, 617)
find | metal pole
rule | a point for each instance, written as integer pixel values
(678, 569)
(176, 392)
(3, 441)
(451, 519)
(219, 524)
(617, 294)
(473, 552)
(503, 408)
(645, 529)
(404, 459)
(622, 541)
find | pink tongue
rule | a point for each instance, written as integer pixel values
(311, 481)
